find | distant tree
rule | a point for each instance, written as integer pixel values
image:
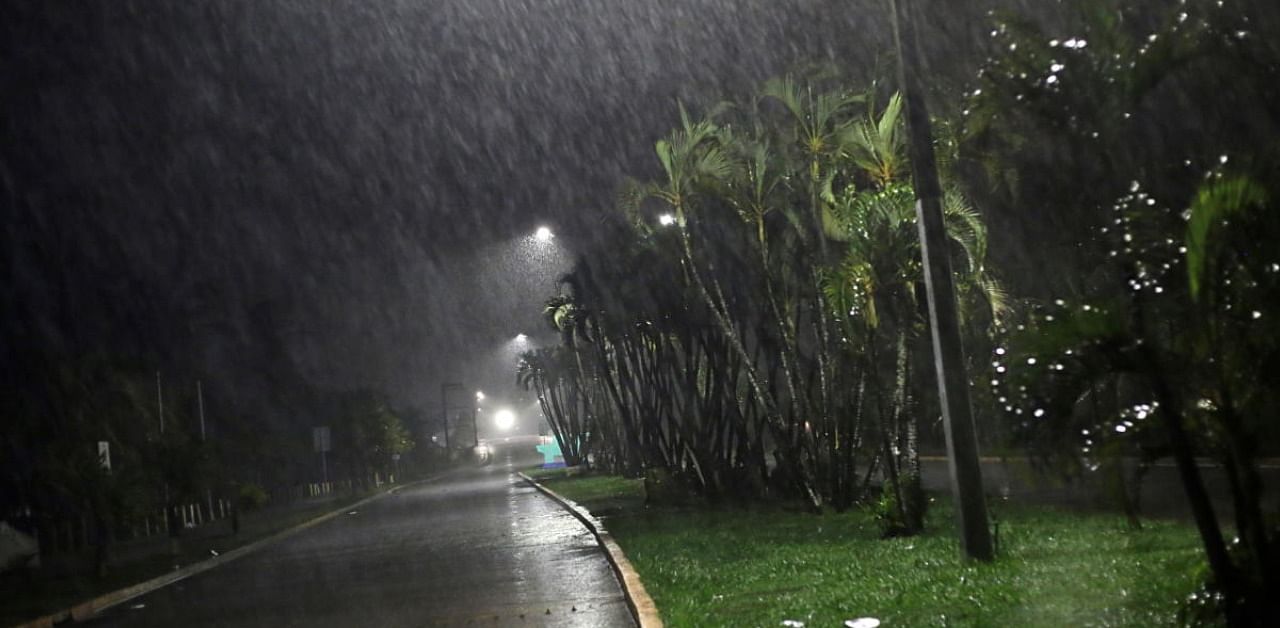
(367, 433)
(551, 374)
(55, 427)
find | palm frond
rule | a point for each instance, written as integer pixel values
(965, 227)
(1214, 203)
(876, 145)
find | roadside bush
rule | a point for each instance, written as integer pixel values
(250, 497)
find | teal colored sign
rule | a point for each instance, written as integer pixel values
(550, 451)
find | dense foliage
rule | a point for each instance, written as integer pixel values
(1162, 335)
(753, 325)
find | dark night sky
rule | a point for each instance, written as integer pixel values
(340, 188)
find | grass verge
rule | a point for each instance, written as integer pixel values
(714, 566)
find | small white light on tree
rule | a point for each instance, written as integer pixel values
(666, 220)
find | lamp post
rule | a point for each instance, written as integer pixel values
(444, 407)
(475, 431)
(953, 384)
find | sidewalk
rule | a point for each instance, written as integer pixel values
(66, 580)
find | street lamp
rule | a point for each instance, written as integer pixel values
(543, 234)
(521, 338)
(504, 419)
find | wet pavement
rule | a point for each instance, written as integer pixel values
(480, 548)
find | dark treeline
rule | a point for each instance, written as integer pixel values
(751, 324)
(171, 445)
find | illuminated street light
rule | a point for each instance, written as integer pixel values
(666, 220)
(479, 395)
(521, 338)
(504, 419)
(543, 234)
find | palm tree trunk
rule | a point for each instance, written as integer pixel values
(905, 425)
(772, 416)
(631, 444)
(581, 384)
(1193, 484)
(1245, 485)
(789, 356)
(1202, 512)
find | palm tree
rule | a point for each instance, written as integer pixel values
(693, 156)
(820, 123)
(547, 372)
(877, 282)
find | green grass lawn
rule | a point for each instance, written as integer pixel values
(714, 566)
(538, 473)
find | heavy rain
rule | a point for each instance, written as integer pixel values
(639, 313)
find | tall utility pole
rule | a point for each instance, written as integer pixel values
(160, 402)
(444, 407)
(170, 510)
(475, 410)
(200, 407)
(208, 491)
(953, 383)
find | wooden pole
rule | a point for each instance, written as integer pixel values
(953, 384)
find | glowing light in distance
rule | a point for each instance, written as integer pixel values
(504, 419)
(543, 234)
(479, 395)
(521, 337)
(666, 220)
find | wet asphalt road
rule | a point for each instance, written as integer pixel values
(479, 548)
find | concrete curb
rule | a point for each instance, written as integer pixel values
(642, 607)
(89, 608)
